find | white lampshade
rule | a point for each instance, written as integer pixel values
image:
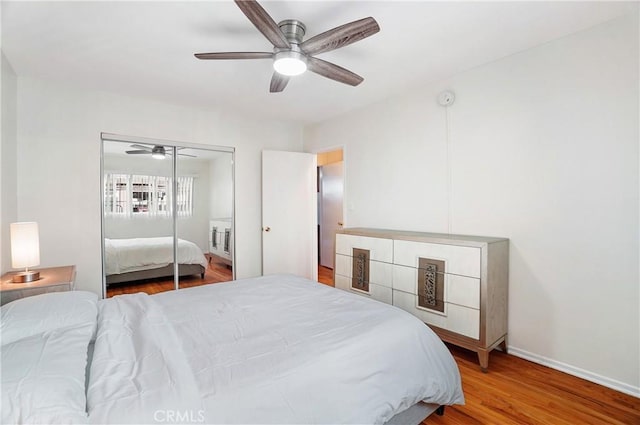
(25, 245)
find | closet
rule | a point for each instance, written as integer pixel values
(159, 199)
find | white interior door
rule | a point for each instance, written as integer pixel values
(289, 214)
(331, 194)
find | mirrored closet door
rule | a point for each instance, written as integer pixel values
(204, 212)
(167, 215)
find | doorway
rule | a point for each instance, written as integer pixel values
(330, 207)
(289, 216)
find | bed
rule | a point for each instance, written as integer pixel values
(146, 258)
(271, 350)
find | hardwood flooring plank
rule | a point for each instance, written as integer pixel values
(516, 391)
(216, 272)
(325, 275)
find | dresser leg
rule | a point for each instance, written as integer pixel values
(503, 345)
(483, 358)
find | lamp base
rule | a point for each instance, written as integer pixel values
(25, 277)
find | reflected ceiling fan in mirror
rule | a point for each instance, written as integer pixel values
(293, 56)
(157, 152)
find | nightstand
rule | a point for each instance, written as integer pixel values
(52, 279)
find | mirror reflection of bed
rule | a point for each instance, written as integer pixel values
(195, 267)
(139, 226)
(214, 274)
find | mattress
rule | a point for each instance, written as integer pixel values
(274, 349)
(130, 255)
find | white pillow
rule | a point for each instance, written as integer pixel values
(33, 315)
(43, 377)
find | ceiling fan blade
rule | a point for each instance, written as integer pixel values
(340, 36)
(138, 152)
(335, 72)
(265, 24)
(147, 148)
(170, 152)
(278, 82)
(235, 55)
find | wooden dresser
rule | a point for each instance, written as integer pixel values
(456, 284)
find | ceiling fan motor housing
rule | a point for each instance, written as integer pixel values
(293, 29)
(158, 150)
(291, 61)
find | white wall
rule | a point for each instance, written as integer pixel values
(8, 168)
(221, 183)
(544, 151)
(59, 139)
(195, 228)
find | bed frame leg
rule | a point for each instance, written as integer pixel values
(440, 411)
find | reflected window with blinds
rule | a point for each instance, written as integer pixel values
(134, 195)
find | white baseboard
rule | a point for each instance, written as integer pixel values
(575, 371)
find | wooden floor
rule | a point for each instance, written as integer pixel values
(516, 391)
(325, 275)
(216, 272)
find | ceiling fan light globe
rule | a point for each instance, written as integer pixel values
(157, 155)
(289, 63)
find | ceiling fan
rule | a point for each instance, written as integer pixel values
(157, 152)
(293, 56)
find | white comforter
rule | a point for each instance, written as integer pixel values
(276, 349)
(128, 255)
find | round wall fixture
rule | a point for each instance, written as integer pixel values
(446, 98)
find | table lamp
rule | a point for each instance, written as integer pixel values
(25, 251)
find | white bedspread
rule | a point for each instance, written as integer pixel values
(128, 255)
(275, 349)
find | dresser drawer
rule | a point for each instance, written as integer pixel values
(379, 273)
(460, 290)
(379, 249)
(377, 292)
(459, 319)
(460, 260)
(448, 281)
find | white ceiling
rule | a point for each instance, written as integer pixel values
(145, 49)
